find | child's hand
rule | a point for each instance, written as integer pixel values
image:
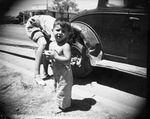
(49, 54)
(35, 23)
(46, 52)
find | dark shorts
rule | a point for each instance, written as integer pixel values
(36, 35)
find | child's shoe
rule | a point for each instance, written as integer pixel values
(39, 81)
(57, 110)
(47, 76)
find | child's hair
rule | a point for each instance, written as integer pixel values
(64, 23)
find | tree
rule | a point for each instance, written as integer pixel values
(20, 16)
(63, 6)
(10, 20)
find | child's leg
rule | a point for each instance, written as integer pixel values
(64, 94)
(46, 63)
(45, 66)
(38, 56)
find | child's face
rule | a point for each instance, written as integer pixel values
(60, 33)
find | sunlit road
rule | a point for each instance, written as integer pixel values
(122, 91)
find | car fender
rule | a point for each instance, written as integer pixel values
(91, 41)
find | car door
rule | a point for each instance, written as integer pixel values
(113, 30)
(137, 43)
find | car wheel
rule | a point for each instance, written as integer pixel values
(80, 63)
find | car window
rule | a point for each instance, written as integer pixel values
(134, 4)
(139, 4)
(116, 3)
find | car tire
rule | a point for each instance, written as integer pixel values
(80, 63)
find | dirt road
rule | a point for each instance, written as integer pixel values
(22, 98)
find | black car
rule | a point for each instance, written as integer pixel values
(114, 35)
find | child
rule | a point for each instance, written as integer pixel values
(60, 54)
(39, 29)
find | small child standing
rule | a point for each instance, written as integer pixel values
(60, 54)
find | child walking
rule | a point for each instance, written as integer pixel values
(60, 54)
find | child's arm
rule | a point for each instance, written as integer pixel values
(66, 54)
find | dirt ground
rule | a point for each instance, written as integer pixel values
(22, 98)
(20, 95)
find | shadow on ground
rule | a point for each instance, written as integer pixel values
(82, 105)
(112, 78)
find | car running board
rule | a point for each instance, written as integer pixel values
(131, 69)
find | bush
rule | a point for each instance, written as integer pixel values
(10, 20)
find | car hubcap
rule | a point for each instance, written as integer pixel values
(76, 61)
